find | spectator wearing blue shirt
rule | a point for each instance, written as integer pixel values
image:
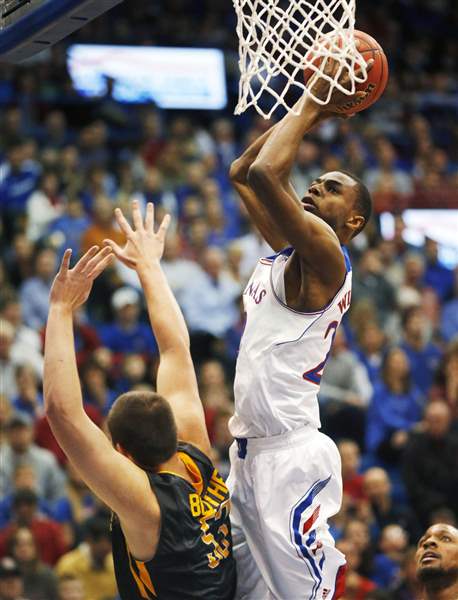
(127, 333)
(424, 356)
(449, 320)
(35, 290)
(29, 399)
(436, 275)
(387, 564)
(68, 229)
(18, 178)
(396, 407)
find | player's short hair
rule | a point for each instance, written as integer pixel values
(363, 200)
(142, 423)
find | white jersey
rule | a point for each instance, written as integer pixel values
(282, 354)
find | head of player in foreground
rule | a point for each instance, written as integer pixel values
(437, 562)
(142, 428)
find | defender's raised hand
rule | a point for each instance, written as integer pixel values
(143, 245)
(71, 287)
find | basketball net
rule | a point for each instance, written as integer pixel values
(279, 39)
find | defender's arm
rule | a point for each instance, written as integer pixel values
(110, 475)
(176, 378)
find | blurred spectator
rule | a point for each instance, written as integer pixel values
(356, 586)
(39, 581)
(345, 392)
(377, 488)
(102, 226)
(29, 399)
(371, 345)
(179, 271)
(430, 465)
(449, 322)
(95, 388)
(352, 479)
(92, 561)
(209, 303)
(67, 230)
(127, 333)
(27, 344)
(409, 293)
(47, 533)
(396, 407)
(11, 585)
(8, 362)
(43, 206)
(424, 356)
(20, 449)
(407, 587)
(436, 274)
(393, 542)
(71, 588)
(35, 290)
(370, 282)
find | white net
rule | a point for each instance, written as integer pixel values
(280, 39)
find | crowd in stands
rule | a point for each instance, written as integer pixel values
(389, 395)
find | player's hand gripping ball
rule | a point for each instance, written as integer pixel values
(368, 91)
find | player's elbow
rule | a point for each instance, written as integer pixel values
(238, 171)
(261, 176)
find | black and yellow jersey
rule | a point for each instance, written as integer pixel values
(194, 553)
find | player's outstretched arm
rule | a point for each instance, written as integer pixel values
(176, 378)
(111, 476)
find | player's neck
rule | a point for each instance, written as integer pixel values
(175, 465)
(437, 592)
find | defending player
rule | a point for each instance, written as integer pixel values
(171, 530)
(437, 562)
(285, 475)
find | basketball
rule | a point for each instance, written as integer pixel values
(377, 78)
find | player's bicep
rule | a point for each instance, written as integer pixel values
(111, 476)
(177, 383)
(312, 238)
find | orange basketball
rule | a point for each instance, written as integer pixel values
(377, 78)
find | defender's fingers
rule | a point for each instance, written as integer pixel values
(117, 250)
(370, 63)
(65, 264)
(149, 219)
(101, 266)
(122, 222)
(137, 216)
(81, 264)
(162, 231)
(101, 255)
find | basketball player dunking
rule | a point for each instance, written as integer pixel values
(171, 530)
(285, 475)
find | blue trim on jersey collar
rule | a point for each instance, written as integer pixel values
(347, 259)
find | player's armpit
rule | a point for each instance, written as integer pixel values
(312, 238)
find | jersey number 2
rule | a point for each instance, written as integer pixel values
(315, 374)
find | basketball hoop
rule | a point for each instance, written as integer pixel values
(280, 39)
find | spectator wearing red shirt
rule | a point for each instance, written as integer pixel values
(356, 586)
(351, 462)
(47, 533)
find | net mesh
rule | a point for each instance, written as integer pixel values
(280, 39)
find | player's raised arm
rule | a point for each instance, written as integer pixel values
(313, 238)
(176, 379)
(112, 476)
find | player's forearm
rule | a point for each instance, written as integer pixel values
(165, 315)
(62, 391)
(280, 150)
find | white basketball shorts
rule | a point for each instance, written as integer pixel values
(284, 489)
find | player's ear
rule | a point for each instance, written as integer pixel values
(355, 223)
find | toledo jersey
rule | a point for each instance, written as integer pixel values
(194, 555)
(282, 354)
